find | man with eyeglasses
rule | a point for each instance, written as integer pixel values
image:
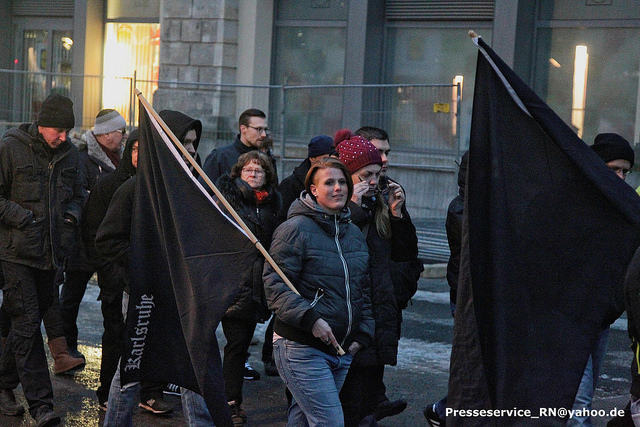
(253, 134)
(619, 157)
(41, 197)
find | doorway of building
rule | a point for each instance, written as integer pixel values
(43, 55)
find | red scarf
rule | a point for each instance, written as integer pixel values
(261, 195)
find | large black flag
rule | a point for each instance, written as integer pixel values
(550, 232)
(188, 262)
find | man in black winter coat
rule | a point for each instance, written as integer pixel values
(253, 135)
(290, 188)
(41, 197)
(110, 278)
(101, 150)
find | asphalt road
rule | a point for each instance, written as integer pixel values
(420, 376)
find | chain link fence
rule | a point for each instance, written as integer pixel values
(421, 119)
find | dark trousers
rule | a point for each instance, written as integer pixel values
(151, 390)
(360, 393)
(75, 285)
(27, 294)
(112, 344)
(52, 318)
(238, 333)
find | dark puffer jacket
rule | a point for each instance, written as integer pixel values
(262, 220)
(291, 187)
(326, 258)
(38, 188)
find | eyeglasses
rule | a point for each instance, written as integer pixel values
(257, 172)
(260, 130)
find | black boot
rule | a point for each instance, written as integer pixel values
(45, 417)
(387, 408)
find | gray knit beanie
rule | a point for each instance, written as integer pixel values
(108, 120)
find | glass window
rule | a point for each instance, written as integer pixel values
(129, 49)
(435, 55)
(309, 56)
(306, 55)
(49, 63)
(313, 10)
(589, 77)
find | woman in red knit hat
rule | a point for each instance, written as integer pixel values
(385, 230)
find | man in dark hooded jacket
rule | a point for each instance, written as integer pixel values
(113, 242)
(436, 413)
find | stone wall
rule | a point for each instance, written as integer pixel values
(198, 44)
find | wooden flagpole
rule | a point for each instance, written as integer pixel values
(220, 197)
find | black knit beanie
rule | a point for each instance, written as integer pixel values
(611, 146)
(57, 112)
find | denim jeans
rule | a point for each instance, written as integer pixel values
(122, 400)
(195, 409)
(590, 380)
(314, 379)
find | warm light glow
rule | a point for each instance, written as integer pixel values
(457, 80)
(555, 63)
(67, 43)
(580, 71)
(130, 48)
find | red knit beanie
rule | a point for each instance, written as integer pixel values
(355, 151)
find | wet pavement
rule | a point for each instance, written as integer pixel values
(420, 376)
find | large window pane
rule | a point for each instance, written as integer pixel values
(36, 46)
(424, 55)
(611, 67)
(129, 49)
(306, 55)
(61, 62)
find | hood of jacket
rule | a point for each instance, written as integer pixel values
(305, 205)
(180, 124)
(89, 142)
(126, 168)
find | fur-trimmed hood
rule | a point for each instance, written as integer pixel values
(89, 143)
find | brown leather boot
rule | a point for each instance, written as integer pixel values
(62, 361)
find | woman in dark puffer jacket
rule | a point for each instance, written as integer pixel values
(325, 257)
(250, 189)
(388, 234)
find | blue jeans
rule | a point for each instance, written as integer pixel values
(584, 397)
(121, 402)
(314, 379)
(195, 409)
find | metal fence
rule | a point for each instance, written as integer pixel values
(422, 120)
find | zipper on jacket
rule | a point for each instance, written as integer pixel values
(346, 279)
(54, 261)
(319, 295)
